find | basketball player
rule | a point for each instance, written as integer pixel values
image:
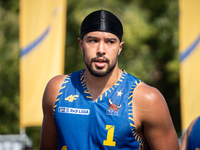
(103, 107)
(191, 138)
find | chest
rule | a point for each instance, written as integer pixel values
(106, 123)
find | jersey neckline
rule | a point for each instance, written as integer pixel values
(102, 96)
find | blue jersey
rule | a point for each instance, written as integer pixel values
(194, 138)
(106, 123)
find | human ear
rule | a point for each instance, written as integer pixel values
(120, 47)
(80, 42)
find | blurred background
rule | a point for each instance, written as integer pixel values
(150, 52)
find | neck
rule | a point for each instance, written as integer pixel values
(98, 85)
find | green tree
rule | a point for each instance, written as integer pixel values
(9, 68)
(164, 53)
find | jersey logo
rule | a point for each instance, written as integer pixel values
(71, 110)
(113, 108)
(71, 98)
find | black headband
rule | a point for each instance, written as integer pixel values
(102, 20)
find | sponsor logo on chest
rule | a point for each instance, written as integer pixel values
(73, 110)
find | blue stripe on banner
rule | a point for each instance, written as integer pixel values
(188, 51)
(31, 46)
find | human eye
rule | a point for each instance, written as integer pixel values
(93, 41)
(111, 41)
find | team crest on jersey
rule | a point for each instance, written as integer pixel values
(113, 108)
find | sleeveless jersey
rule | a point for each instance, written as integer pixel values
(194, 138)
(106, 123)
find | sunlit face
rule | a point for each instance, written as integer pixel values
(101, 50)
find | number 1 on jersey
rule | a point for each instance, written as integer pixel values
(109, 141)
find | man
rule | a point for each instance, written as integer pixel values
(102, 106)
(191, 138)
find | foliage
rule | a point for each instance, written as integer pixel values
(9, 71)
(150, 51)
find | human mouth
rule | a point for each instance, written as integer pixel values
(100, 62)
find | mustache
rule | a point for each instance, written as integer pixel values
(104, 59)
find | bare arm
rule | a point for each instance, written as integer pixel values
(153, 117)
(186, 135)
(48, 133)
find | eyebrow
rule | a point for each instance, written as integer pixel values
(91, 37)
(94, 37)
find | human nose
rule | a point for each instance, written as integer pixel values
(101, 48)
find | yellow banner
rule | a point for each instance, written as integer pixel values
(42, 44)
(189, 42)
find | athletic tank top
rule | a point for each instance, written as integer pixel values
(104, 124)
(194, 138)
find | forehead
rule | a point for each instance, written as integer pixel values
(101, 34)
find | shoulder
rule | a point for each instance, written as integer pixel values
(151, 113)
(148, 95)
(187, 134)
(189, 130)
(149, 104)
(55, 83)
(52, 90)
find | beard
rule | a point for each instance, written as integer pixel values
(99, 72)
